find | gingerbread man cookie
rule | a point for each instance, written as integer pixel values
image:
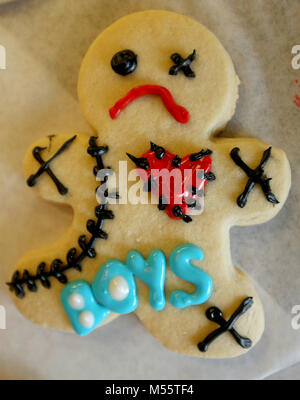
(156, 87)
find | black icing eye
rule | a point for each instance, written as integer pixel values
(124, 62)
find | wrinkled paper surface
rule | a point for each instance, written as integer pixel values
(45, 41)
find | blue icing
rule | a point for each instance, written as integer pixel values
(152, 272)
(81, 295)
(114, 287)
(180, 264)
(101, 287)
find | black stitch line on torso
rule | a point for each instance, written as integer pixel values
(57, 268)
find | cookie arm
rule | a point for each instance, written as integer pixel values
(264, 181)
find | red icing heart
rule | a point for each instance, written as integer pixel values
(178, 195)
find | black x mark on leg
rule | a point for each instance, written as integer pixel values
(256, 176)
(215, 314)
(45, 166)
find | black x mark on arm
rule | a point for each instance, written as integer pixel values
(45, 166)
(255, 176)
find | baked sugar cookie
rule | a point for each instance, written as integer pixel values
(156, 87)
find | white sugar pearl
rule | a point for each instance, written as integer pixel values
(118, 288)
(76, 301)
(87, 319)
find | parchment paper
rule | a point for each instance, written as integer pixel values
(45, 42)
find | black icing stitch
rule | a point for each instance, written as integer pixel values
(141, 162)
(45, 166)
(191, 202)
(57, 268)
(158, 150)
(177, 212)
(215, 314)
(183, 64)
(176, 162)
(209, 176)
(200, 154)
(162, 203)
(255, 176)
(149, 185)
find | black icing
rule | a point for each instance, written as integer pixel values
(191, 202)
(74, 258)
(45, 166)
(141, 162)
(200, 154)
(178, 213)
(158, 150)
(215, 314)
(255, 176)
(150, 185)
(162, 203)
(183, 64)
(209, 176)
(124, 62)
(176, 162)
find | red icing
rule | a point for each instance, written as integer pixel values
(178, 112)
(179, 190)
(297, 100)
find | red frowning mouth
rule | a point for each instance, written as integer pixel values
(179, 113)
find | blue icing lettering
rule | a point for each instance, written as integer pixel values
(84, 313)
(181, 266)
(152, 272)
(114, 287)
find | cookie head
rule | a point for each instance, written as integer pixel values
(157, 71)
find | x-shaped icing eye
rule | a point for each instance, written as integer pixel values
(124, 62)
(183, 64)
